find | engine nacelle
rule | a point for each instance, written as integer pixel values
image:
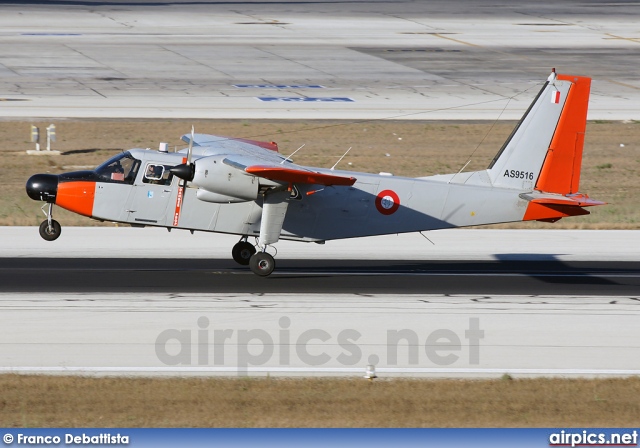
(216, 198)
(214, 176)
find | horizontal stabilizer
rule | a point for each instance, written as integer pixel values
(576, 200)
(291, 175)
(550, 207)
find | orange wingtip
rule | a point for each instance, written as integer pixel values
(298, 176)
(272, 146)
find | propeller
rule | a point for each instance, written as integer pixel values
(187, 170)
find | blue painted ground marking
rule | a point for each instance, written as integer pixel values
(278, 86)
(297, 99)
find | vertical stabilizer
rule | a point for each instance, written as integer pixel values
(544, 151)
(561, 169)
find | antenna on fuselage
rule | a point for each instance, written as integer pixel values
(340, 159)
(461, 170)
(289, 158)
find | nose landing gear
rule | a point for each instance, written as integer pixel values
(50, 228)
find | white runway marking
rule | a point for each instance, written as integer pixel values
(370, 272)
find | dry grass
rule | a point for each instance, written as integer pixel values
(41, 401)
(610, 172)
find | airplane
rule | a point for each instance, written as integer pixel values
(247, 188)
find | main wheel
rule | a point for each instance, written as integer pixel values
(242, 252)
(50, 233)
(262, 264)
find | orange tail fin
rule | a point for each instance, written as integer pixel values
(561, 168)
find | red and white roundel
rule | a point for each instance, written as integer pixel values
(387, 202)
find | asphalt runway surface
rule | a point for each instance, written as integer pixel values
(126, 301)
(327, 276)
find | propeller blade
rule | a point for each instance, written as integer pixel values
(185, 171)
(190, 146)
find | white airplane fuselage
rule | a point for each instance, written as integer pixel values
(373, 205)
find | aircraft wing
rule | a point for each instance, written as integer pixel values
(290, 174)
(220, 142)
(260, 159)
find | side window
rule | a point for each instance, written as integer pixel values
(158, 174)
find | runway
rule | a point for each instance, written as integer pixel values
(328, 276)
(459, 261)
(466, 303)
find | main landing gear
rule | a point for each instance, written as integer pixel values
(242, 251)
(50, 228)
(261, 263)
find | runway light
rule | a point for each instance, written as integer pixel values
(370, 373)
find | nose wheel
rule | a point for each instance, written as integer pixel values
(49, 228)
(262, 264)
(242, 252)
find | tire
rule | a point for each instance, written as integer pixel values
(242, 252)
(262, 264)
(50, 234)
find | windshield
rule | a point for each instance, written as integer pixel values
(121, 168)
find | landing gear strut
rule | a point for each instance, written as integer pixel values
(262, 264)
(50, 228)
(243, 251)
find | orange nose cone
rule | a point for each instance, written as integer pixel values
(77, 196)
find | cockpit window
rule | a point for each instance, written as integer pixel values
(121, 169)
